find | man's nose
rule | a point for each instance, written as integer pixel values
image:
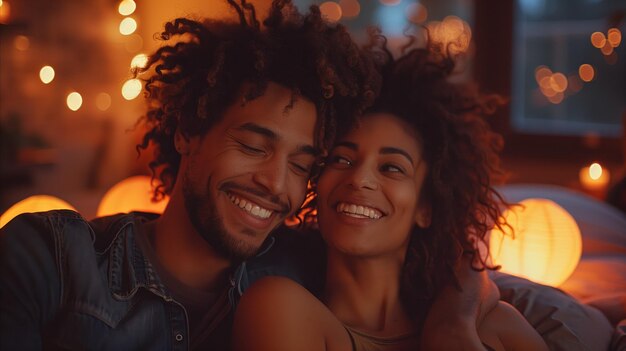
(272, 175)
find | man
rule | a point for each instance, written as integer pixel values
(238, 115)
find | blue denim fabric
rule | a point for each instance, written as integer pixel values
(71, 284)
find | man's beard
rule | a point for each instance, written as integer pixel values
(204, 217)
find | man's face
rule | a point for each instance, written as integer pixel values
(249, 172)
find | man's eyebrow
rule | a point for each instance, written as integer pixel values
(394, 150)
(255, 128)
(270, 134)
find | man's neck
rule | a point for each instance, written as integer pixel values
(184, 253)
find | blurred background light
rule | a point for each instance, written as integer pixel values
(21, 43)
(131, 194)
(126, 7)
(35, 203)
(331, 11)
(131, 89)
(74, 101)
(128, 26)
(46, 74)
(103, 101)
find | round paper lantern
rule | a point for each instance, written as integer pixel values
(545, 245)
(35, 203)
(131, 194)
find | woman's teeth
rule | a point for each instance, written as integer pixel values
(358, 211)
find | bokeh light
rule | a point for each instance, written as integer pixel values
(586, 72)
(139, 61)
(126, 7)
(350, 8)
(131, 89)
(103, 101)
(614, 37)
(133, 43)
(595, 171)
(416, 13)
(598, 39)
(128, 26)
(453, 33)
(74, 101)
(21, 43)
(558, 82)
(542, 72)
(46, 74)
(331, 11)
(575, 84)
(5, 12)
(556, 98)
(607, 49)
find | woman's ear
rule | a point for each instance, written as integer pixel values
(423, 216)
(181, 143)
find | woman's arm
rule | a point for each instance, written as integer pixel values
(276, 314)
(504, 328)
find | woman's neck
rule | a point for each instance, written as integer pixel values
(364, 293)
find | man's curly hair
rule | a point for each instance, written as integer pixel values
(194, 80)
(462, 154)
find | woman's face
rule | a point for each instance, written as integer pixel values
(369, 191)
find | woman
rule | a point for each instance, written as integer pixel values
(403, 196)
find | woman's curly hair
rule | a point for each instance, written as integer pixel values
(462, 154)
(194, 80)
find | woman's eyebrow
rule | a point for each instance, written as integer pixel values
(394, 150)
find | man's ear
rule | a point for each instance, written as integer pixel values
(423, 216)
(181, 142)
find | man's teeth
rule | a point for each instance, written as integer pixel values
(250, 207)
(358, 211)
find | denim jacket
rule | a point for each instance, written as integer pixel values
(70, 284)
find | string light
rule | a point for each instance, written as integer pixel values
(74, 101)
(46, 74)
(331, 11)
(131, 89)
(103, 101)
(126, 7)
(139, 61)
(128, 26)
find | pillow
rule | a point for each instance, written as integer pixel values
(562, 321)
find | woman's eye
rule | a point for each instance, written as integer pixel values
(339, 160)
(392, 168)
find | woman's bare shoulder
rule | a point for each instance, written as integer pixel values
(276, 313)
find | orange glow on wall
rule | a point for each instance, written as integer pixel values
(36, 203)
(545, 245)
(131, 194)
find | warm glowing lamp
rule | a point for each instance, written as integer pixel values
(36, 203)
(131, 194)
(74, 101)
(545, 245)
